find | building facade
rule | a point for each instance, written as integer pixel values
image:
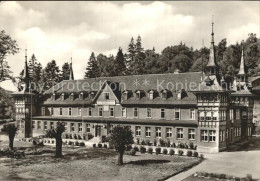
(176, 107)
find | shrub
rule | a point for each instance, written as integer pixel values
(94, 145)
(34, 142)
(222, 176)
(249, 177)
(70, 142)
(40, 143)
(155, 143)
(162, 143)
(173, 145)
(143, 142)
(100, 145)
(189, 153)
(157, 150)
(75, 137)
(82, 144)
(191, 145)
(142, 149)
(133, 152)
(150, 150)
(138, 141)
(195, 147)
(181, 145)
(136, 148)
(77, 143)
(171, 152)
(168, 143)
(129, 147)
(195, 154)
(201, 156)
(105, 145)
(165, 151)
(186, 146)
(148, 142)
(180, 152)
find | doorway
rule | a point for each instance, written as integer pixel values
(98, 131)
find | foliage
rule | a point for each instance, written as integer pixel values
(180, 152)
(65, 71)
(94, 145)
(105, 145)
(92, 69)
(100, 145)
(11, 130)
(171, 152)
(7, 46)
(136, 148)
(165, 151)
(7, 108)
(157, 150)
(150, 150)
(195, 154)
(142, 149)
(120, 138)
(189, 153)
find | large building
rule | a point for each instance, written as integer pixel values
(179, 107)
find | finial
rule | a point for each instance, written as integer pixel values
(25, 55)
(71, 60)
(212, 24)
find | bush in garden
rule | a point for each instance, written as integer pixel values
(105, 145)
(77, 143)
(129, 147)
(70, 142)
(40, 143)
(133, 152)
(143, 142)
(173, 145)
(165, 151)
(180, 152)
(162, 143)
(34, 142)
(195, 154)
(171, 152)
(191, 145)
(142, 149)
(136, 148)
(249, 177)
(186, 146)
(94, 145)
(157, 150)
(150, 150)
(168, 143)
(195, 147)
(75, 136)
(138, 141)
(148, 142)
(189, 153)
(201, 156)
(100, 145)
(181, 145)
(155, 143)
(82, 144)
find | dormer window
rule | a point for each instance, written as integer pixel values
(165, 94)
(92, 95)
(139, 94)
(181, 94)
(71, 96)
(106, 95)
(81, 96)
(62, 96)
(151, 95)
(53, 97)
(126, 94)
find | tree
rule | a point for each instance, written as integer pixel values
(138, 45)
(130, 55)
(11, 130)
(65, 72)
(120, 63)
(120, 138)
(92, 69)
(7, 46)
(57, 133)
(7, 107)
(52, 75)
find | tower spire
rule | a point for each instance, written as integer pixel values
(71, 70)
(242, 62)
(26, 71)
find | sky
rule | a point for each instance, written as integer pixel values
(61, 30)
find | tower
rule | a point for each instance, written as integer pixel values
(71, 71)
(25, 100)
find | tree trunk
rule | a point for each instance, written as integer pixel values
(120, 158)
(11, 142)
(58, 147)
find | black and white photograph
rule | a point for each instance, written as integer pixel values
(130, 90)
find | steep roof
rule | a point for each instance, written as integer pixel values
(242, 65)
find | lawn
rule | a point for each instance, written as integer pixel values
(83, 163)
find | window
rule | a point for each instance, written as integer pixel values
(39, 125)
(33, 124)
(164, 95)
(79, 127)
(69, 111)
(106, 95)
(100, 111)
(177, 114)
(237, 114)
(215, 115)
(43, 111)
(135, 112)
(208, 116)
(168, 132)
(123, 112)
(179, 133)
(239, 131)
(71, 97)
(162, 113)
(88, 128)
(192, 113)
(227, 133)
(222, 136)
(231, 115)
(158, 132)
(72, 127)
(204, 135)
(81, 96)
(45, 125)
(52, 111)
(202, 116)
(89, 111)
(112, 111)
(52, 125)
(191, 134)
(92, 95)
(138, 131)
(149, 112)
(148, 131)
(138, 95)
(249, 131)
(62, 97)
(66, 126)
(212, 135)
(79, 111)
(60, 111)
